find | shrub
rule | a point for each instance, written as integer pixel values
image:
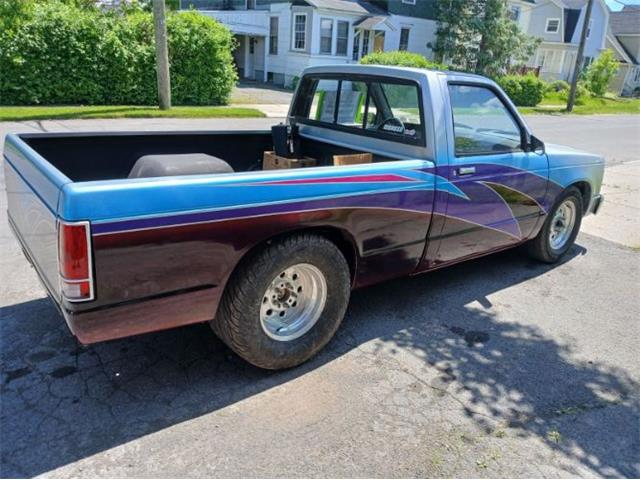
(524, 90)
(402, 59)
(600, 73)
(558, 86)
(582, 93)
(59, 53)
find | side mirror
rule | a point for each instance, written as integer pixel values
(536, 145)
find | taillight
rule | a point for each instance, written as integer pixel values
(74, 261)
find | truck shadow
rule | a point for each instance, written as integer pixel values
(61, 402)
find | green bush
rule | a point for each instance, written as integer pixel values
(582, 93)
(558, 86)
(524, 90)
(59, 53)
(402, 59)
(600, 73)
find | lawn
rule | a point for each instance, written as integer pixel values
(65, 112)
(553, 103)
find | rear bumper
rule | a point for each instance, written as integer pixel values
(145, 316)
(596, 203)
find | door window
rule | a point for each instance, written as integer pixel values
(482, 123)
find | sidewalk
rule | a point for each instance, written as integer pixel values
(619, 217)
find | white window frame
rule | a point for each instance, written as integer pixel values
(293, 32)
(408, 29)
(273, 46)
(346, 52)
(330, 52)
(409, 2)
(546, 27)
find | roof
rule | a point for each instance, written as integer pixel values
(370, 22)
(351, 6)
(626, 21)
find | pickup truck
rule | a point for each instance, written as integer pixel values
(138, 232)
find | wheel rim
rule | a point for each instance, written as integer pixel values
(562, 225)
(293, 302)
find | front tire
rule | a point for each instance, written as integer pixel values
(284, 303)
(560, 228)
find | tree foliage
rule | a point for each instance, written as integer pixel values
(478, 36)
(600, 73)
(70, 52)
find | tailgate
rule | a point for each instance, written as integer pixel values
(33, 188)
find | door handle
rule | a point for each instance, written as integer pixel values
(466, 171)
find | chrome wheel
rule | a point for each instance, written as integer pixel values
(293, 302)
(562, 225)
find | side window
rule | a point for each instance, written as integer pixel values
(481, 122)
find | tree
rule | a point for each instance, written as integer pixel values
(601, 72)
(479, 36)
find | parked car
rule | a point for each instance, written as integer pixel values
(137, 232)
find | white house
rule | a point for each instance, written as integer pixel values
(558, 23)
(623, 37)
(277, 39)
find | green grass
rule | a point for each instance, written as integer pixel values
(65, 112)
(554, 103)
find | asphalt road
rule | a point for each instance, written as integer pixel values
(500, 367)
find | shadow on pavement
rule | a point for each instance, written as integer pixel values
(61, 403)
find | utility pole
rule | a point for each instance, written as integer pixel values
(162, 55)
(577, 69)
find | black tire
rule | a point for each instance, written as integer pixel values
(238, 320)
(540, 247)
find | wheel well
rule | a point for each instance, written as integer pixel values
(585, 191)
(340, 238)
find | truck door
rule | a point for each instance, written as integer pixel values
(501, 184)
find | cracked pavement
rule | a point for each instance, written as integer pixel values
(500, 367)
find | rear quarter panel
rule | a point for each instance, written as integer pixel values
(33, 190)
(166, 236)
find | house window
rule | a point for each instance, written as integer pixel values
(326, 35)
(273, 35)
(342, 37)
(355, 52)
(251, 4)
(547, 60)
(365, 42)
(252, 45)
(589, 28)
(553, 25)
(514, 13)
(300, 31)
(404, 39)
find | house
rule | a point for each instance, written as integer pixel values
(623, 37)
(558, 23)
(277, 39)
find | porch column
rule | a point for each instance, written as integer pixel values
(246, 56)
(267, 40)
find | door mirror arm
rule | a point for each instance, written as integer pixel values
(536, 145)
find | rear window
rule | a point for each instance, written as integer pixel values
(384, 108)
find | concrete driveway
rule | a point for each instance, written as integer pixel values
(500, 367)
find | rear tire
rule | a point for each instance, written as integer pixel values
(560, 228)
(284, 303)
